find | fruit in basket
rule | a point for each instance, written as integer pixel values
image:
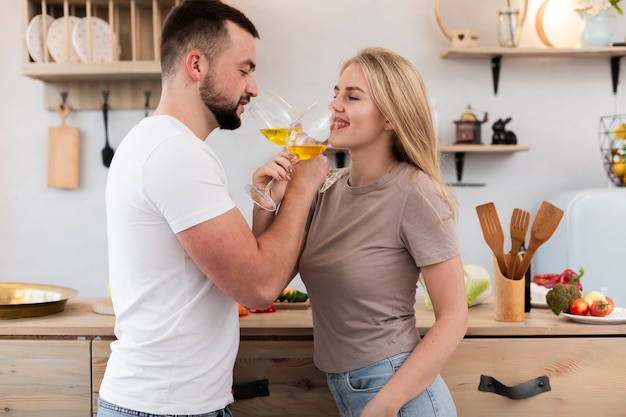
(619, 167)
(620, 131)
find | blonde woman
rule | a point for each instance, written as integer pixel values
(388, 219)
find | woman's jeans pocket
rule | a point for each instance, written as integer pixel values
(352, 391)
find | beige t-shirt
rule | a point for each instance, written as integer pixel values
(361, 263)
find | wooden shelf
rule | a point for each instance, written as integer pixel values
(482, 148)
(133, 78)
(614, 53)
(119, 70)
(488, 52)
(460, 150)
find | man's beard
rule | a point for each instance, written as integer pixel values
(224, 112)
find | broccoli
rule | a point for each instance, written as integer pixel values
(561, 296)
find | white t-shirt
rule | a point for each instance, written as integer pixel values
(177, 333)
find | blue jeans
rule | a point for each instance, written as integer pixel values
(354, 389)
(106, 409)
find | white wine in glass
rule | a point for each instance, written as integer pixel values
(274, 116)
(309, 133)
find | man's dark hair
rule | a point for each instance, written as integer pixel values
(198, 24)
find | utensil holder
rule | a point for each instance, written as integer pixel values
(508, 295)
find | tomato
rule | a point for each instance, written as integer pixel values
(611, 304)
(600, 309)
(579, 307)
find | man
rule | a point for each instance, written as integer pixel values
(181, 256)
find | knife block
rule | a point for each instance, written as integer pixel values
(508, 295)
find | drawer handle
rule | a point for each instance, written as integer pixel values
(518, 392)
(252, 389)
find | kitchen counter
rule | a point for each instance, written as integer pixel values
(78, 319)
(59, 360)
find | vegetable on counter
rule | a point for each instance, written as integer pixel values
(477, 285)
(561, 296)
(292, 295)
(567, 277)
(270, 309)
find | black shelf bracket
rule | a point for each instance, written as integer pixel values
(615, 64)
(459, 161)
(496, 63)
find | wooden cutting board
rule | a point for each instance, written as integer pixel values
(63, 152)
(104, 306)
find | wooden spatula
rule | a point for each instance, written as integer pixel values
(545, 223)
(492, 232)
(519, 226)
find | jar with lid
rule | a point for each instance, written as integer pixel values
(508, 27)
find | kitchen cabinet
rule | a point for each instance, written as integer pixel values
(45, 378)
(459, 151)
(132, 77)
(57, 362)
(614, 53)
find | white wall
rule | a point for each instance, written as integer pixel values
(58, 236)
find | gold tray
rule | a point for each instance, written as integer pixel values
(19, 300)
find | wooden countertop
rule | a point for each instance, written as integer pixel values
(79, 320)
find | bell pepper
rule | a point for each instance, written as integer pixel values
(567, 277)
(270, 309)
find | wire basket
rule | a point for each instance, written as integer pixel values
(612, 137)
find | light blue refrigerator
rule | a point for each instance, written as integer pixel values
(592, 235)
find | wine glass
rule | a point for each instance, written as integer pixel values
(332, 177)
(273, 115)
(308, 134)
(308, 137)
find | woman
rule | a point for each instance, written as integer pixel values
(388, 219)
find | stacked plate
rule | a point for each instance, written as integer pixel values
(67, 41)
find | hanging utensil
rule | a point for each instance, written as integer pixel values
(492, 232)
(63, 151)
(107, 151)
(545, 223)
(519, 226)
(146, 105)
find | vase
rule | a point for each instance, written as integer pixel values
(595, 29)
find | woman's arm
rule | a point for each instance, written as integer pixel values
(446, 287)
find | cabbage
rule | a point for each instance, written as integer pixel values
(477, 285)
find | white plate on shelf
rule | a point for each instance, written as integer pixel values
(618, 316)
(538, 304)
(100, 36)
(34, 37)
(57, 40)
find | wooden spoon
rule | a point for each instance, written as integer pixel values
(544, 225)
(519, 226)
(492, 232)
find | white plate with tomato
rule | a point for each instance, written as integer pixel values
(617, 316)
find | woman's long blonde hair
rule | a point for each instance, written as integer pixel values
(399, 92)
